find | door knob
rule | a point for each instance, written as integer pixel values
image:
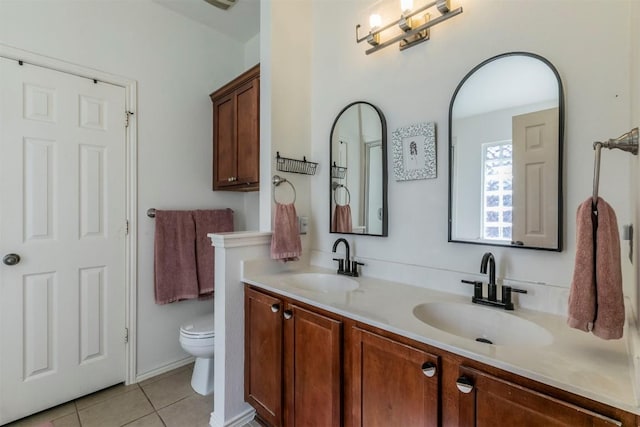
(275, 308)
(288, 314)
(11, 259)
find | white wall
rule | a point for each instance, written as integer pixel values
(416, 86)
(176, 63)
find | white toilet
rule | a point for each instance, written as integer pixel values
(197, 338)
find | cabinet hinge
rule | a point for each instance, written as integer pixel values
(126, 228)
(126, 335)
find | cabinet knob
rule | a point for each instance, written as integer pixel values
(429, 369)
(275, 308)
(288, 314)
(464, 384)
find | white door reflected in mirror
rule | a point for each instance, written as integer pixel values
(505, 180)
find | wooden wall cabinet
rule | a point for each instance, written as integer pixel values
(236, 133)
(307, 367)
(303, 387)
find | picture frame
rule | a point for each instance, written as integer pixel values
(414, 152)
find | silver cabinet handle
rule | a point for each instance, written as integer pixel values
(275, 308)
(11, 259)
(429, 369)
(288, 314)
(464, 384)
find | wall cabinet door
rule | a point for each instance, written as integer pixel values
(236, 133)
(263, 355)
(393, 384)
(485, 400)
(313, 369)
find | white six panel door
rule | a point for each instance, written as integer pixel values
(62, 210)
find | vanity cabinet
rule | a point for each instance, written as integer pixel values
(484, 398)
(293, 362)
(305, 366)
(236, 133)
(263, 355)
(393, 383)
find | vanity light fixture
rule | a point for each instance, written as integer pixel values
(414, 25)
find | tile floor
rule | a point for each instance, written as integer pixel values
(166, 400)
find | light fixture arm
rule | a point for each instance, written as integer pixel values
(409, 36)
(416, 30)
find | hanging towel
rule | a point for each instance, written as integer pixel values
(341, 222)
(285, 240)
(175, 257)
(208, 221)
(596, 300)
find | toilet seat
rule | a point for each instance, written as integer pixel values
(201, 328)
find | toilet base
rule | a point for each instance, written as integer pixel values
(202, 378)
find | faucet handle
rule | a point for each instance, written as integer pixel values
(477, 287)
(354, 267)
(340, 264)
(506, 296)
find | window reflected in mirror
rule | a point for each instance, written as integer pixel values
(505, 151)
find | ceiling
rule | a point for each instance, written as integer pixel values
(240, 22)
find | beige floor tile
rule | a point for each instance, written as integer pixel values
(169, 389)
(157, 378)
(102, 395)
(151, 420)
(116, 411)
(44, 416)
(70, 420)
(194, 411)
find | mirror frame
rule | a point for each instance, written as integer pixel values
(561, 120)
(385, 207)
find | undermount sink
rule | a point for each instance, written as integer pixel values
(320, 282)
(482, 324)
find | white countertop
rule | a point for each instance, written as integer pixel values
(576, 361)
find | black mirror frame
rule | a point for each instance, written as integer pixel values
(385, 207)
(560, 153)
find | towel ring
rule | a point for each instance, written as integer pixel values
(277, 180)
(335, 190)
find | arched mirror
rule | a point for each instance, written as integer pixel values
(358, 178)
(505, 154)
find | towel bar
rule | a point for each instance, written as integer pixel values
(627, 142)
(151, 212)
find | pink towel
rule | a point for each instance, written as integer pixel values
(208, 221)
(175, 257)
(285, 240)
(341, 222)
(596, 300)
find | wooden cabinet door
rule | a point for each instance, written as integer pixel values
(263, 355)
(224, 149)
(313, 369)
(490, 401)
(391, 386)
(248, 133)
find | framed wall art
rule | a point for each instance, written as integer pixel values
(414, 152)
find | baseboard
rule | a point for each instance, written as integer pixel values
(239, 420)
(166, 368)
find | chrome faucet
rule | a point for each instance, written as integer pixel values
(488, 259)
(346, 266)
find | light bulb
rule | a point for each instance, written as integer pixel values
(406, 5)
(375, 21)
